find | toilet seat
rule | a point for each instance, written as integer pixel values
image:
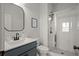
(41, 47)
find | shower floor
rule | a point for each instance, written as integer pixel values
(58, 52)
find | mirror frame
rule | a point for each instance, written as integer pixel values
(23, 21)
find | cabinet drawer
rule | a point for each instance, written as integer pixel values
(19, 50)
(31, 52)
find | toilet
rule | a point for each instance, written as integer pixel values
(42, 50)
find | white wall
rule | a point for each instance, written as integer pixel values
(42, 11)
(39, 11)
(32, 10)
(44, 24)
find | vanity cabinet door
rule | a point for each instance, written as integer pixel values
(0, 53)
(31, 52)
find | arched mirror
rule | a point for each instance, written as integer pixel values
(13, 17)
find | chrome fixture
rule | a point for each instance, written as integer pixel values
(17, 36)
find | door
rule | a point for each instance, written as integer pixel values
(51, 32)
(66, 28)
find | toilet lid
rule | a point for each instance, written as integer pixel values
(42, 48)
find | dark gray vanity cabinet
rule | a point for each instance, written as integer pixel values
(25, 50)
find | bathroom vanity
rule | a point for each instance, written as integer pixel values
(26, 47)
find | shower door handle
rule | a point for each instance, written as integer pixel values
(55, 40)
(51, 30)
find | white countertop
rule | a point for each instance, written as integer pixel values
(10, 44)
